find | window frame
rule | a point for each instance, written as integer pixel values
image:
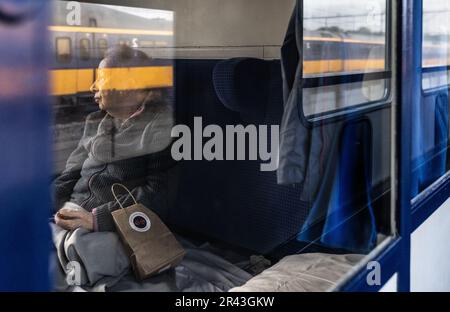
(337, 79)
(428, 70)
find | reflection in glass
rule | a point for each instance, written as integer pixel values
(430, 140)
(113, 113)
(436, 33)
(344, 36)
(63, 50)
(79, 51)
(347, 143)
(340, 38)
(85, 49)
(102, 46)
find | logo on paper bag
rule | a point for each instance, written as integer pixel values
(140, 222)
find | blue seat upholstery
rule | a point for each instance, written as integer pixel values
(233, 201)
(241, 85)
(252, 87)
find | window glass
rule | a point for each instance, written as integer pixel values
(430, 142)
(343, 38)
(348, 139)
(436, 33)
(85, 49)
(185, 109)
(436, 44)
(63, 50)
(72, 88)
(102, 46)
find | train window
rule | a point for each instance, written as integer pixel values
(436, 44)
(430, 143)
(85, 49)
(102, 46)
(347, 142)
(63, 49)
(114, 124)
(345, 62)
(101, 31)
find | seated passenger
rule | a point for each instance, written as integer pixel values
(125, 142)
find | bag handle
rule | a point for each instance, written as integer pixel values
(126, 189)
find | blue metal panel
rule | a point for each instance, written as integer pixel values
(24, 147)
(410, 97)
(427, 205)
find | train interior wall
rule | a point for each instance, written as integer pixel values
(214, 29)
(430, 252)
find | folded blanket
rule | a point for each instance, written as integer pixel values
(98, 259)
(313, 272)
(94, 260)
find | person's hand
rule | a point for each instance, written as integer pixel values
(74, 218)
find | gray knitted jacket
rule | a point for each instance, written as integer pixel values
(135, 153)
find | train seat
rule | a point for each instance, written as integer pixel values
(198, 200)
(260, 215)
(249, 86)
(233, 201)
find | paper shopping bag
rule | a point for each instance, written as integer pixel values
(151, 246)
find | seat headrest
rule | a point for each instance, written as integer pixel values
(242, 85)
